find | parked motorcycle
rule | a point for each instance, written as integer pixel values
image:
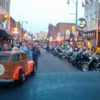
(92, 64)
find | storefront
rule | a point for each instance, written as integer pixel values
(99, 38)
(89, 38)
(5, 38)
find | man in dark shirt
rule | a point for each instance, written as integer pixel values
(35, 54)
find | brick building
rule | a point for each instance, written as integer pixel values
(62, 30)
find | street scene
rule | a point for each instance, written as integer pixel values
(49, 50)
(59, 81)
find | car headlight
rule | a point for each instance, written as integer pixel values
(2, 69)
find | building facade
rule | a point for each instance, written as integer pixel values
(5, 6)
(5, 14)
(64, 32)
(92, 15)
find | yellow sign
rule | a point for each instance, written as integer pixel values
(67, 32)
(74, 28)
(50, 39)
(24, 36)
(5, 15)
(15, 30)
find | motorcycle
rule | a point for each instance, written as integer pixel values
(92, 64)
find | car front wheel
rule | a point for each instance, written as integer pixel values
(21, 76)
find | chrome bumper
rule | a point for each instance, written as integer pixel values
(6, 80)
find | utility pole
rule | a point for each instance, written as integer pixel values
(76, 11)
(76, 4)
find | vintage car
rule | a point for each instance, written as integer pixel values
(14, 66)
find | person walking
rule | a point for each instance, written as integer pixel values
(47, 48)
(29, 52)
(24, 48)
(35, 54)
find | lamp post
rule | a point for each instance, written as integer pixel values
(76, 4)
(76, 10)
(22, 24)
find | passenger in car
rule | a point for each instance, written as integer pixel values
(5, 47)
(14, 49)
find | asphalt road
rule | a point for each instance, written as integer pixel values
(56, 81)
(49, 63)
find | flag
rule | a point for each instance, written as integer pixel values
(83, 5)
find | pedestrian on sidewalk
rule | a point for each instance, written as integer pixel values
(36, 54)
(24, 48)
(47, 48)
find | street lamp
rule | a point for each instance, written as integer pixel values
(22, 24)
(76, 3)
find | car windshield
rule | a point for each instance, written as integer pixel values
(4, 58)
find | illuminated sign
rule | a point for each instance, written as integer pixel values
(67, 32)
(81, 23)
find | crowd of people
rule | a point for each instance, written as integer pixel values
(32, 50)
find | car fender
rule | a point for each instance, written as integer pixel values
(31, 66)
(16, 73)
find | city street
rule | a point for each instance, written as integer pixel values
(66, 29)
(55, 79)
(50, 63)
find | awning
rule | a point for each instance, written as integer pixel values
(4, 34)
(91, 31)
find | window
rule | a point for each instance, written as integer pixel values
(4, 58)
(15, 58)
(24, 56)
(21, 57)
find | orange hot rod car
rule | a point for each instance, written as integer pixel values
(14, 66)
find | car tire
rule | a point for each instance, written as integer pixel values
(21, 77)
(33, 72)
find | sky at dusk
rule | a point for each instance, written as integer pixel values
(39, 13)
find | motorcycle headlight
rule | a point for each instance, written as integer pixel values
(2, 69)
(90, 58)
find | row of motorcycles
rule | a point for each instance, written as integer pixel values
(81, 58)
